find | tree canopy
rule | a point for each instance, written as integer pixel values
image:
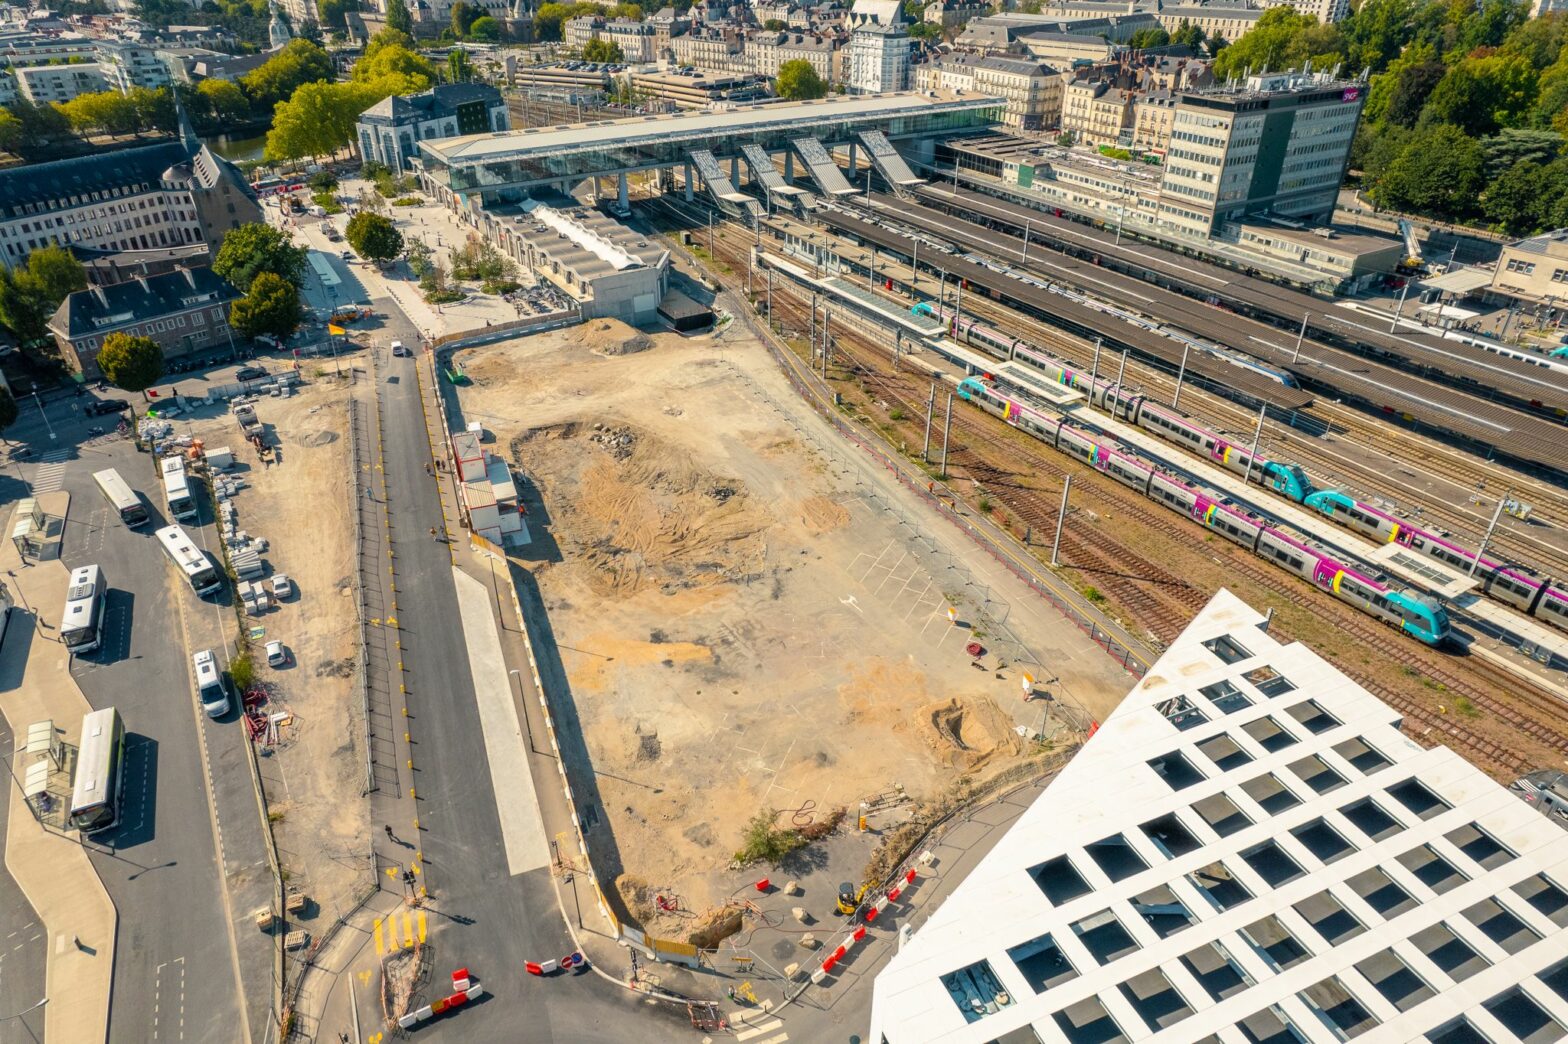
(799, 81)
(398, 17)
(132, 363)
(373, 237)
(253, 248)
(298, 63)
(484, 29)
(30, 292)
(8, 410)
(270, 307)
(1146, 38)
(602, 51)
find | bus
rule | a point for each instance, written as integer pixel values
(100, 764)
(121, 497)
(190, 560)
(176, 488)
(82, 627)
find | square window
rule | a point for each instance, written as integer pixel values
(1369, 818)
(1479, 845)
(1175, 770)
(1500, 926)
(1269, 1026)
(1218, 885)
(1312, 716)
(1329, 918)
(1059, 880)
(1227, 699)
(1336, 1004)
(1449, 952)
(1087, 1022)
(1183, 713)
(1381, 893)
(1268, 734)
(982, 992)
(1163, 912)
(1221, 814)
(1415, 796)
(1556, 979)
(1270, 794)
(1549, 901)
(1154, 999)
(1116, 857)
(1042, 963)
(1268, 681)
(1220, 977)
(1392, 977)
(1322, 840)
(1274, 943)
(1168, 834)
(1315, 773)
(1223, 751)
(1272, 864)
(1432, 869)
(1104, 937)
(1524, 1018)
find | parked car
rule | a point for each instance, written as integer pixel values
(277, 656)
(98, 407)
(398, 349)
(282, 586)
(250, 373)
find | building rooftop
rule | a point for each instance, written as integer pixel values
(438, 100)
(581, 239)
(100, 310)
(1249, 849)
(1554, 243)
(484, 148)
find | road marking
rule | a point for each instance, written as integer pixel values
(50, 475)
(380, 947)
(760, 1029)
(522, 830)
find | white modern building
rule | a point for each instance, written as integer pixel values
(1249, 849)
(58, 84)
(878, 59)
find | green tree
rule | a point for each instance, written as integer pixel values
(56, 272)
(10, 131)
(925, 31)
(271, 307)
(154, 108)
(549, 18)
(392, 58)
(253, 248)
(1217, 43)
(1441, 170)
(1551, 100)
(298, 63)
(1144, 39)
(762, 841)
(485, 29)
(1517, 145)
(1480, 95)
(463, 15)
(25, 308)
(775, 25)
(1376, 33)
(40, 127)
(398, 17)
(8, 410)
(602, 51)
(1412, 86)
(458, 68)
(334, 13)
(798, 81)
(1279, 39)
(132, 363)
(319, 119)
(373, 237)
(1188, 35)
(106, 112)
(224, 100)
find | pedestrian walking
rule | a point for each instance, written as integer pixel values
(390, 836)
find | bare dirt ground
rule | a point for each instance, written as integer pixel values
(739, 623)
(314, 776)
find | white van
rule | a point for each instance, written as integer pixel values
(211, 689)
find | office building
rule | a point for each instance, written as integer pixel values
(1249, 848)
(390, 131)
(1277, 145)
(1534, 270)
(185, 311)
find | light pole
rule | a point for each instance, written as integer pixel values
(41, 1002)
(526, 722)
(44, 414)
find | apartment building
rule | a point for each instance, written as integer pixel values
(878, 59)
(1095, 113)
(766, 52)
(1152, 116)
(1229, 19)
(185, 311)
(46, 84)
(635, 39)
(1277, 145)
(1033, 89)
(712, 48)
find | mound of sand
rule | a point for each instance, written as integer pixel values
(611, 337)
(821, 515)
(968, 732)
(650, 516)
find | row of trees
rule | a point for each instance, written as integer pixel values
(30, 131)
(318, 117)
(1467, 113)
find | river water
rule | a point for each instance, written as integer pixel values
(237, 149)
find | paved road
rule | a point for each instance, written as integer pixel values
(23, 945)
(176, 966)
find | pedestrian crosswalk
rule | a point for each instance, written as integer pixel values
(399, 931)
(50, 475)
(758, 1025)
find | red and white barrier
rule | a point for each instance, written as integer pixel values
(460, 995)
(858, 935)
(567, 963)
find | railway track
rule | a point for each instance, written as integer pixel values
(1000, 463)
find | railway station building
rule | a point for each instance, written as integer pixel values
(1250, 848)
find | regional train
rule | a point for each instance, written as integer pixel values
(1417, 615)
(1536, 597)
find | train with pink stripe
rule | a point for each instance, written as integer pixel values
(1417, 615)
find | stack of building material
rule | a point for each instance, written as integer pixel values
(254, 597)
